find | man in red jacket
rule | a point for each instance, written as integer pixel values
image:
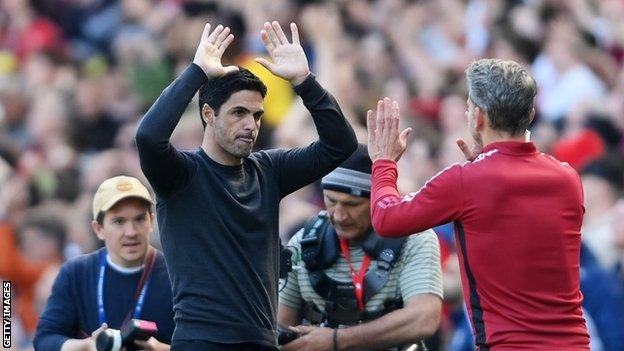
(517, 214)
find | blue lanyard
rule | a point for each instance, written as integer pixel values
(100, 292)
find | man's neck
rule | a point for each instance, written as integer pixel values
(360, 239)
(491, 136)
(356, 242)
(217, 154)
(126, 267)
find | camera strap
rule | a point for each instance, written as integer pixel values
(358, 278)
(139, 294)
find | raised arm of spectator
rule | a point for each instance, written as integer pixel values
(421, 69)
(163, 165)
(301, 166)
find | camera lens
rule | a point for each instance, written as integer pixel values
(108, 340)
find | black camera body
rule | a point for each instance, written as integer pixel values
(134, 329)
(285, 335)
(285, 261)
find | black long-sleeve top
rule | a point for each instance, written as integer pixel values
(219, 224)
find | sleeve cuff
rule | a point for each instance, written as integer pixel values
(309, 89)
(384, 162)
(56, 342)
(194, 75)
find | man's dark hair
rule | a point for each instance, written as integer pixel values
(610, 167)
(605, 127)
(505, 91)
(215, 92)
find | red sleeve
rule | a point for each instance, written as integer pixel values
(439, 201)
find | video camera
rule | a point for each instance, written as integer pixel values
(134, 329)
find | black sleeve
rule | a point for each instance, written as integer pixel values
(59, 320)
(162, 164)
(304, 165)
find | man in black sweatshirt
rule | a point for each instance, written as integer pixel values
(218, 206)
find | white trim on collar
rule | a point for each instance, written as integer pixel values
(123, 270)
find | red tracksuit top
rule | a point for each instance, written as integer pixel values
(517, 215)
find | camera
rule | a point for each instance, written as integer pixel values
(285, 261)
(134, 329)
(285, 335)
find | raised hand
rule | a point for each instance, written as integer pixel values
(470, 153)
(384, 139)
(211, 48)
(289, 60)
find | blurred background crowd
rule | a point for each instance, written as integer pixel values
(77, 75)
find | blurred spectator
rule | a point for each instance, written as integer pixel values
(603, 183)
(25, 32)
(564, 79)
(603, 301)
(598, 136)
(38, 245)
(92, 128)
(618, 234)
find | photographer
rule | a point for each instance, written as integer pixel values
(372, 293)
(127, 279)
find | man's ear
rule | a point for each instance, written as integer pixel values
(207, 114)
(97, 228)
(532, 115)
(481, 119)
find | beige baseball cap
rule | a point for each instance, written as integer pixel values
(112, 190)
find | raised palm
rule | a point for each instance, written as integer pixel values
(211, 48)
(289, 60)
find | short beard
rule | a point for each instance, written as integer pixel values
(235, 150)
(476, 137)
(239, 152)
